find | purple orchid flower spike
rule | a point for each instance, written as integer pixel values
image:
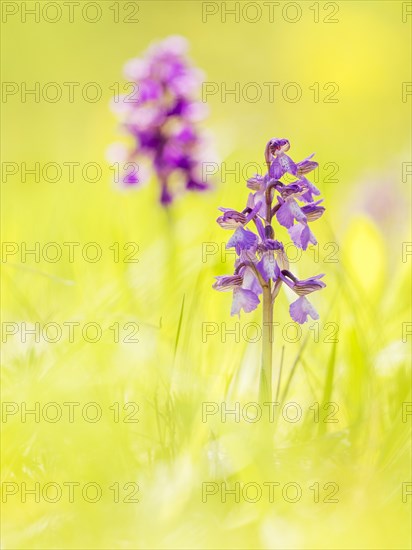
(262, 265)
(161, 116)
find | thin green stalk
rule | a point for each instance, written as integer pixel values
(265, 389)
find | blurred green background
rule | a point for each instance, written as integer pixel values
(167, 295)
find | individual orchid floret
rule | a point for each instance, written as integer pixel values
(244, 299)
(288, 212)
(245, 290)
(303, 287)
(305, 166)
(313, 211)
(309, 190)
(161, 117)
(301, 309)
(301, 235)
(227, 283)
(242, 239)
(257, 182)
(233, 219)
(280, 163)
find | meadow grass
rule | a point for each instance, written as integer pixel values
(170, 372)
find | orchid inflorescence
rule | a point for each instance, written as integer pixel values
(261, 262)
(162, 120)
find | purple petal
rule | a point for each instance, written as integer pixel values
(284, 215)
(301, 235)
(305, 166)
(273, 245)
(147, 90)
(275, 147)
(307, 286)
(131, 178)
(250, 281)
(259, 198)
(196, 185)
(254, 212)
(147, 139)
(276, 170)
(268, 266)
(282, 259)
(250, 201)
(246, 256)
(307, 237)
(224, 283)
(260, 228)
(288, 212)
(242, 239)
(288, 190)
(186, 135)
(244, 299)
(313, 211)
(301, 309)
(279, 144)
(166, 197)
(310, 190)
(257, 183)
(282, 164)
(231, 219)
(178, 108)
(173, 156)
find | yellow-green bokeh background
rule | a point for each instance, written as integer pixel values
(171, 452)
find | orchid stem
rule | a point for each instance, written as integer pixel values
(265, 389)
(265, 386)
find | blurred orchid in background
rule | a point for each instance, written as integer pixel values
(161, 116)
